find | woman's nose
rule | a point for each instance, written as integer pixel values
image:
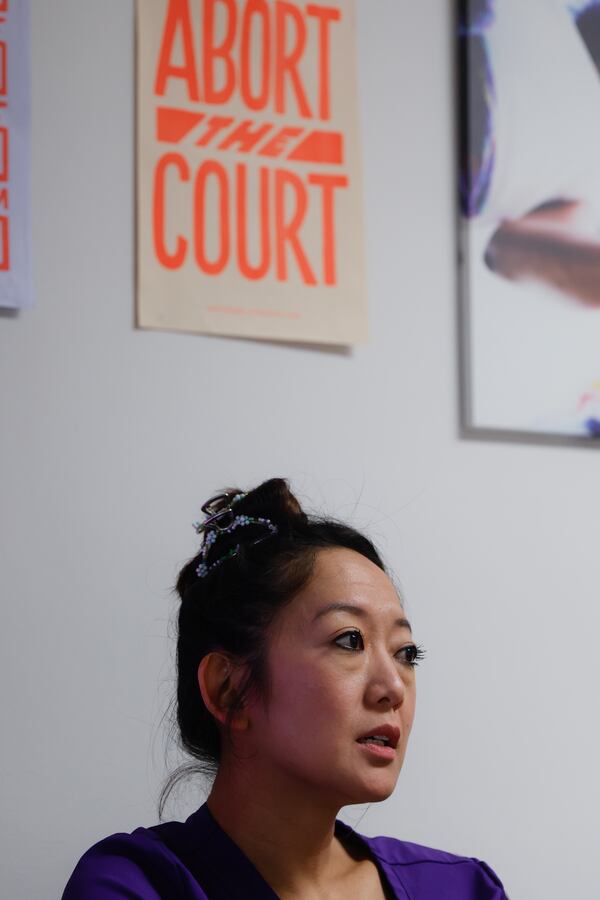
(386, 689)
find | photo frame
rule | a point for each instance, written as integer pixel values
(528, 84)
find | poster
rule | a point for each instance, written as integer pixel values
(249, 194)
(15, 224)
(529, 158)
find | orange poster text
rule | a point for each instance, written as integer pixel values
(245, 136)
(4, 159)
(4, 150)
(217, 63)
(284, 199)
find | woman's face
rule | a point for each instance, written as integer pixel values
(339, 662)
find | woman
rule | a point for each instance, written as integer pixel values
(296, 683)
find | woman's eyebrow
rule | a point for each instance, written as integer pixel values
(358, 611)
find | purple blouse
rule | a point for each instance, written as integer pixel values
(197, 860)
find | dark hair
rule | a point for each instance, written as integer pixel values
(232, 607)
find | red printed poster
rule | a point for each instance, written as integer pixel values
(15, 231)
(249, 202)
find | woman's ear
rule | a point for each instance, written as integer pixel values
(219, 679)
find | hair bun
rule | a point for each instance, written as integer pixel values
(271, 500)
(274, 500)
(270, 509)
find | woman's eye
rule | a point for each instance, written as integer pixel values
(353, 641)
(411, 654)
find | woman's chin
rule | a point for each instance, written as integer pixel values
(374, 791)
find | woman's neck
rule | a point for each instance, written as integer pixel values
(285, 829)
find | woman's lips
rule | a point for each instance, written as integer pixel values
(378, 750)
(386, 730)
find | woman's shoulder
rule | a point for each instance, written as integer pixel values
(427, 872)
(138, 864)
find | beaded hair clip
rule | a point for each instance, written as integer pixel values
(222, 520)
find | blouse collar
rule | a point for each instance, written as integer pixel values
(222, 869)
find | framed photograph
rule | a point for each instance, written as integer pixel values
(529, 222)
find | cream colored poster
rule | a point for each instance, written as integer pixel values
(16, 288)
(249, 213)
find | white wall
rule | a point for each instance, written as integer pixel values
(111, 438)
